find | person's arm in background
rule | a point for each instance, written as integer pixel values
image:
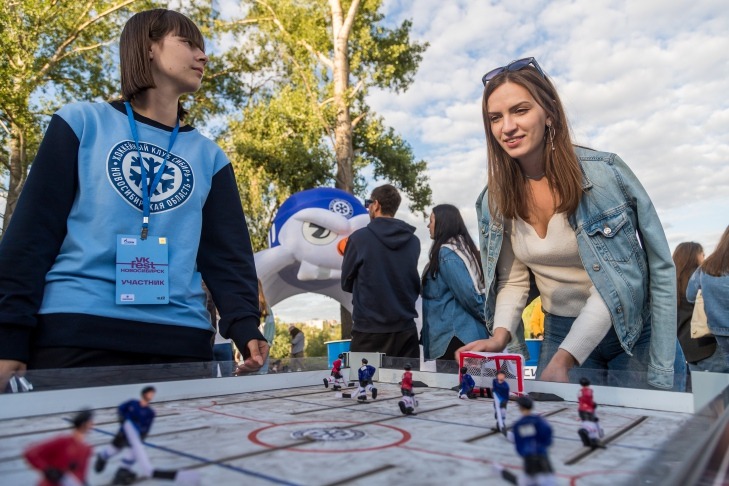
(32, 242)
(694, 284)
(455, 275)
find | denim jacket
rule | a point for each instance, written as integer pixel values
(451, 306)
(715, 291)
(624, 249)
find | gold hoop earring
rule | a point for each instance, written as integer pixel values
(551, 131)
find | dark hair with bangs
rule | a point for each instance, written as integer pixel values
(509, 194)
(140, 31)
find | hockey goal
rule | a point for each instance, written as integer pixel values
(483, 368)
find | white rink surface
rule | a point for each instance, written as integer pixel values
(246, 439)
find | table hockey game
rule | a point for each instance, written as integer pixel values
(288, 429)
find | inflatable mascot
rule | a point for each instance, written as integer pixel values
(305, 240)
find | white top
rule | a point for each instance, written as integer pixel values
(563, 283)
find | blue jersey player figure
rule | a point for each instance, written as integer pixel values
(500, 392)
(532, 436)
(467, 385)
(136, 418)
(365, 374)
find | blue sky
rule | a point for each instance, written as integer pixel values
(646, 79)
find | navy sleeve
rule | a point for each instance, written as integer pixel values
(33, 239)
(225, 260)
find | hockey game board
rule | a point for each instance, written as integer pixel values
(309, 436)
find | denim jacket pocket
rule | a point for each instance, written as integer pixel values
(614, 236)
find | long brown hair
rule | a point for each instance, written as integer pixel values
(262, 304)
(686, 260)
(137, 37)
(717, 264)
(509, 194)
(449, 226)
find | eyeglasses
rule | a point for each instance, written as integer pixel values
(517, 65)
(367, 203)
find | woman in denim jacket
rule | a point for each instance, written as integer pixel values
(577, 226)
(453, 290)
(712, 277)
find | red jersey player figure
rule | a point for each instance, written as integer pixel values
(408, 403)
(590, 431)
(63, 460)
(586, 407)
(335, 378)
(136, 417)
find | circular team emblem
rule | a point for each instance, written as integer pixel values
(341, 207)
(328, 434)
(125, 175)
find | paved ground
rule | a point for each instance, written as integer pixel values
(308, 436)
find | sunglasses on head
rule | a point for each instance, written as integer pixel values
(517, 65)
(367, 203)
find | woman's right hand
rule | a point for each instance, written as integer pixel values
(495, 344)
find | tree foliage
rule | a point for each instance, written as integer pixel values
(329, 53)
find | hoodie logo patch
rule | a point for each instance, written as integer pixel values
(125, 175)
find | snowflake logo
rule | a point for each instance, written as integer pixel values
(124, 171)
(341, 207)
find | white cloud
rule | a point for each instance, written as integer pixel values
(645, 79)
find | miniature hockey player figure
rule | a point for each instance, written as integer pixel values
(136, 417)
(590, 432)
(467, 385)
(335, 378)
(63, 460)
(409, 402)
(365, 374)
(500, 392)
(406, 385)
(532, 435)
(586, 407)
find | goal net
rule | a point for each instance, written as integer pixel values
(483, 368)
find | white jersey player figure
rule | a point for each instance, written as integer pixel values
(590, 432)
(136, 417)
(365, 374)
(335, 378)
(500, 392)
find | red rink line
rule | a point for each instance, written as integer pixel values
(206, 409)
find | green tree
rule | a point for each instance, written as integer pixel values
(52, 52)
(330, 54)
(57, 52)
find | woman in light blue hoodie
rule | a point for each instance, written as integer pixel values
(712, 277)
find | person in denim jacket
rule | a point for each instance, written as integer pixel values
(453, 290)
(577, 226)
(712, 277)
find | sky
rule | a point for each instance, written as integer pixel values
(646, 79)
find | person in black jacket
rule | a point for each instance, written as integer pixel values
(380, 270)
